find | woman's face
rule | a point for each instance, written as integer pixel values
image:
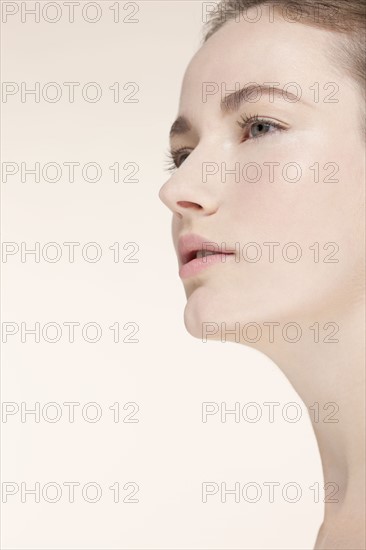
(286, 188)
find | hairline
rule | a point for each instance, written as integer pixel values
(337, 55)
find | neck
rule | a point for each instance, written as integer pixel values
(331, 375)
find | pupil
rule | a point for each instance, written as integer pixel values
(260, 128)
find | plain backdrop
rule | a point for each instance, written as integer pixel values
(167, 373)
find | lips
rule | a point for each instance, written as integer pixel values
(209, 253)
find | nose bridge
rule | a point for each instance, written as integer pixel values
(195, 185)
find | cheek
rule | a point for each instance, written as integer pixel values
(306, 200)
(305, 189)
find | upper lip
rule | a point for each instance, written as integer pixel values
(190, 244)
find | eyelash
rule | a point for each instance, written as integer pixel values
(244, 123)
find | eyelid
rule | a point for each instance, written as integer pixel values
(244, 122)
(247, 120)
(179, 150)
(172, 155)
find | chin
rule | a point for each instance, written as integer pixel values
(201, 308)
(204, 312)
(213, 315)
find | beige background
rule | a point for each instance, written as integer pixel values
(169, 452)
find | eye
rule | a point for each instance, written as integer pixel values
(255, 127)
(176, 157)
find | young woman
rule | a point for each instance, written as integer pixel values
(267, 195)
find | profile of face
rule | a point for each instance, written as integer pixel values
(274, 176)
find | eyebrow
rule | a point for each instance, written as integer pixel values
(231, 103)
(180, 126)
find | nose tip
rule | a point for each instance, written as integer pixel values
(184, 198)
(177, 206)
(163, 196)
(168, 196)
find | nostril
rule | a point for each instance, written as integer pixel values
(188, 204)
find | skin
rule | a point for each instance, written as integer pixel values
(305, 212)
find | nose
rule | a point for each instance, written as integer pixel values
(185, 197)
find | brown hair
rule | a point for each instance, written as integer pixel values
(344, 17)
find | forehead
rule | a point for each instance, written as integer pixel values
(264, 51)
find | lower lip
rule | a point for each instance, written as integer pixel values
(197, 265)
